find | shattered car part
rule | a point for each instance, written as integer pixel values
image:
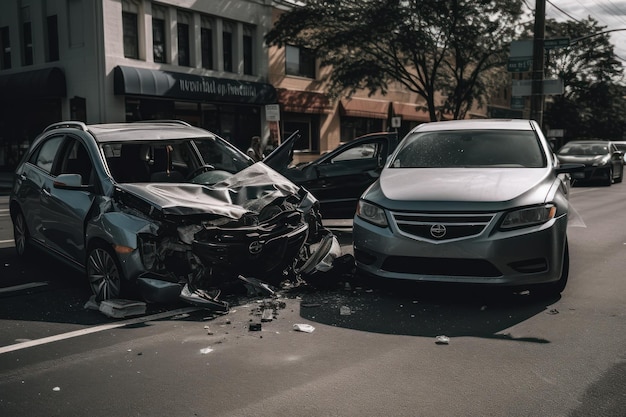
(168, 207)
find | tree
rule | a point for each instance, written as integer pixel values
(448, 47)
(593, 103)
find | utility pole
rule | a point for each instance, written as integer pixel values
(536, 99)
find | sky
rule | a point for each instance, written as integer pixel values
(609, 13)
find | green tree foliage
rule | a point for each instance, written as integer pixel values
(450, 47)
(593, 104)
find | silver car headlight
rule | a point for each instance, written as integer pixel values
(529, 216)
(371, 213)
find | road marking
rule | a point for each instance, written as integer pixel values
(69, 335)
(6, 241)
(23, 287)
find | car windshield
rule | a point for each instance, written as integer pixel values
(584, 149)
(173, 160)
(470, 148)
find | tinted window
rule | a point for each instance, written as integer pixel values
(479, 148)
(44, 156)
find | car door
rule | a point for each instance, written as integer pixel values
(341, 176)
(34, 179)
(63, 211)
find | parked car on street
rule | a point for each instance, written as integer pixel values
(603, 160)
(468, 201)
(165, 208)
(339, 177)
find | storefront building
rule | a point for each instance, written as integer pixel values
(127, 60)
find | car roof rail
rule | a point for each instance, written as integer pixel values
(180, 122)
(67, 124)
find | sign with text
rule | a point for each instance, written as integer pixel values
(272, 112)
(550, 87)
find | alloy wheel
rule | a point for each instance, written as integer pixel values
(103, 274)
(20, 234)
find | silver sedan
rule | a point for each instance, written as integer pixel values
(470, 201)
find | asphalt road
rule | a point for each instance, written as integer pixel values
(508, 354)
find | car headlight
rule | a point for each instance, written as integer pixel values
(602, 161)
(529, 216)
(371, 213)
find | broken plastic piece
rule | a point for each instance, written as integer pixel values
(203, 299)
(254, 327)
(267, 315)
(206, 351)
(255, 286)
(442, 340)
(306, 328)
(122, 308)
(345, 311)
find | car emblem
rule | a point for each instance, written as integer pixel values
(438, 231)
(255, 247)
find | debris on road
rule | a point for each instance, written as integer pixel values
(345, 311)
(120, 308)
(206, 351)
(306, 328)
(442, 340)
(254, 327)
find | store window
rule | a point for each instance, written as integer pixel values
(299, 62)
(307, 126)
(353, 127)
(52, 50)
(131, 35)
(206, 42)
(227, 38)
(5, 44)
(248, 42)
(27, 36)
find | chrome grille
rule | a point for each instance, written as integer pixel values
(437, 227)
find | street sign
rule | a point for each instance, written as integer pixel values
(396, 121)
(555, 43)
(272, 112)
(522, 64)
(550, 87)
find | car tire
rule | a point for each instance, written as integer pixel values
(21, 235)
(104, 273)
(621, 176)
(554, 289)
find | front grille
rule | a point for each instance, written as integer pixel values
(438, 227)
(441, 266)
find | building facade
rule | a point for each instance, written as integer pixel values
(103, 61)
(205, 62)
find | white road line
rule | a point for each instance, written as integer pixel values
(69, 335)
(23, 287)
(6, 241)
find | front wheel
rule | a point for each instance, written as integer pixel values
(621, 176)
(103, 272)
(20, 234)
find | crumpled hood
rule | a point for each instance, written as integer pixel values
(483, 188)
(248, 190)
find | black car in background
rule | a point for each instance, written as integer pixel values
(339, 177)
(602, 159)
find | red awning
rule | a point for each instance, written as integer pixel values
(303, 102)
(360, 107)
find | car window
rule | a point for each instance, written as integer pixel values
(75, 160)
(360, 152)
(44, 156)
(476, 148)
(584, 149)
(222, 156)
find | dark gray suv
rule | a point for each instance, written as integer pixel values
(167, 207)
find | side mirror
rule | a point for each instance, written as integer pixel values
(71, 182)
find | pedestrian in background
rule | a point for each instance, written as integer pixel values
(255, 151)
